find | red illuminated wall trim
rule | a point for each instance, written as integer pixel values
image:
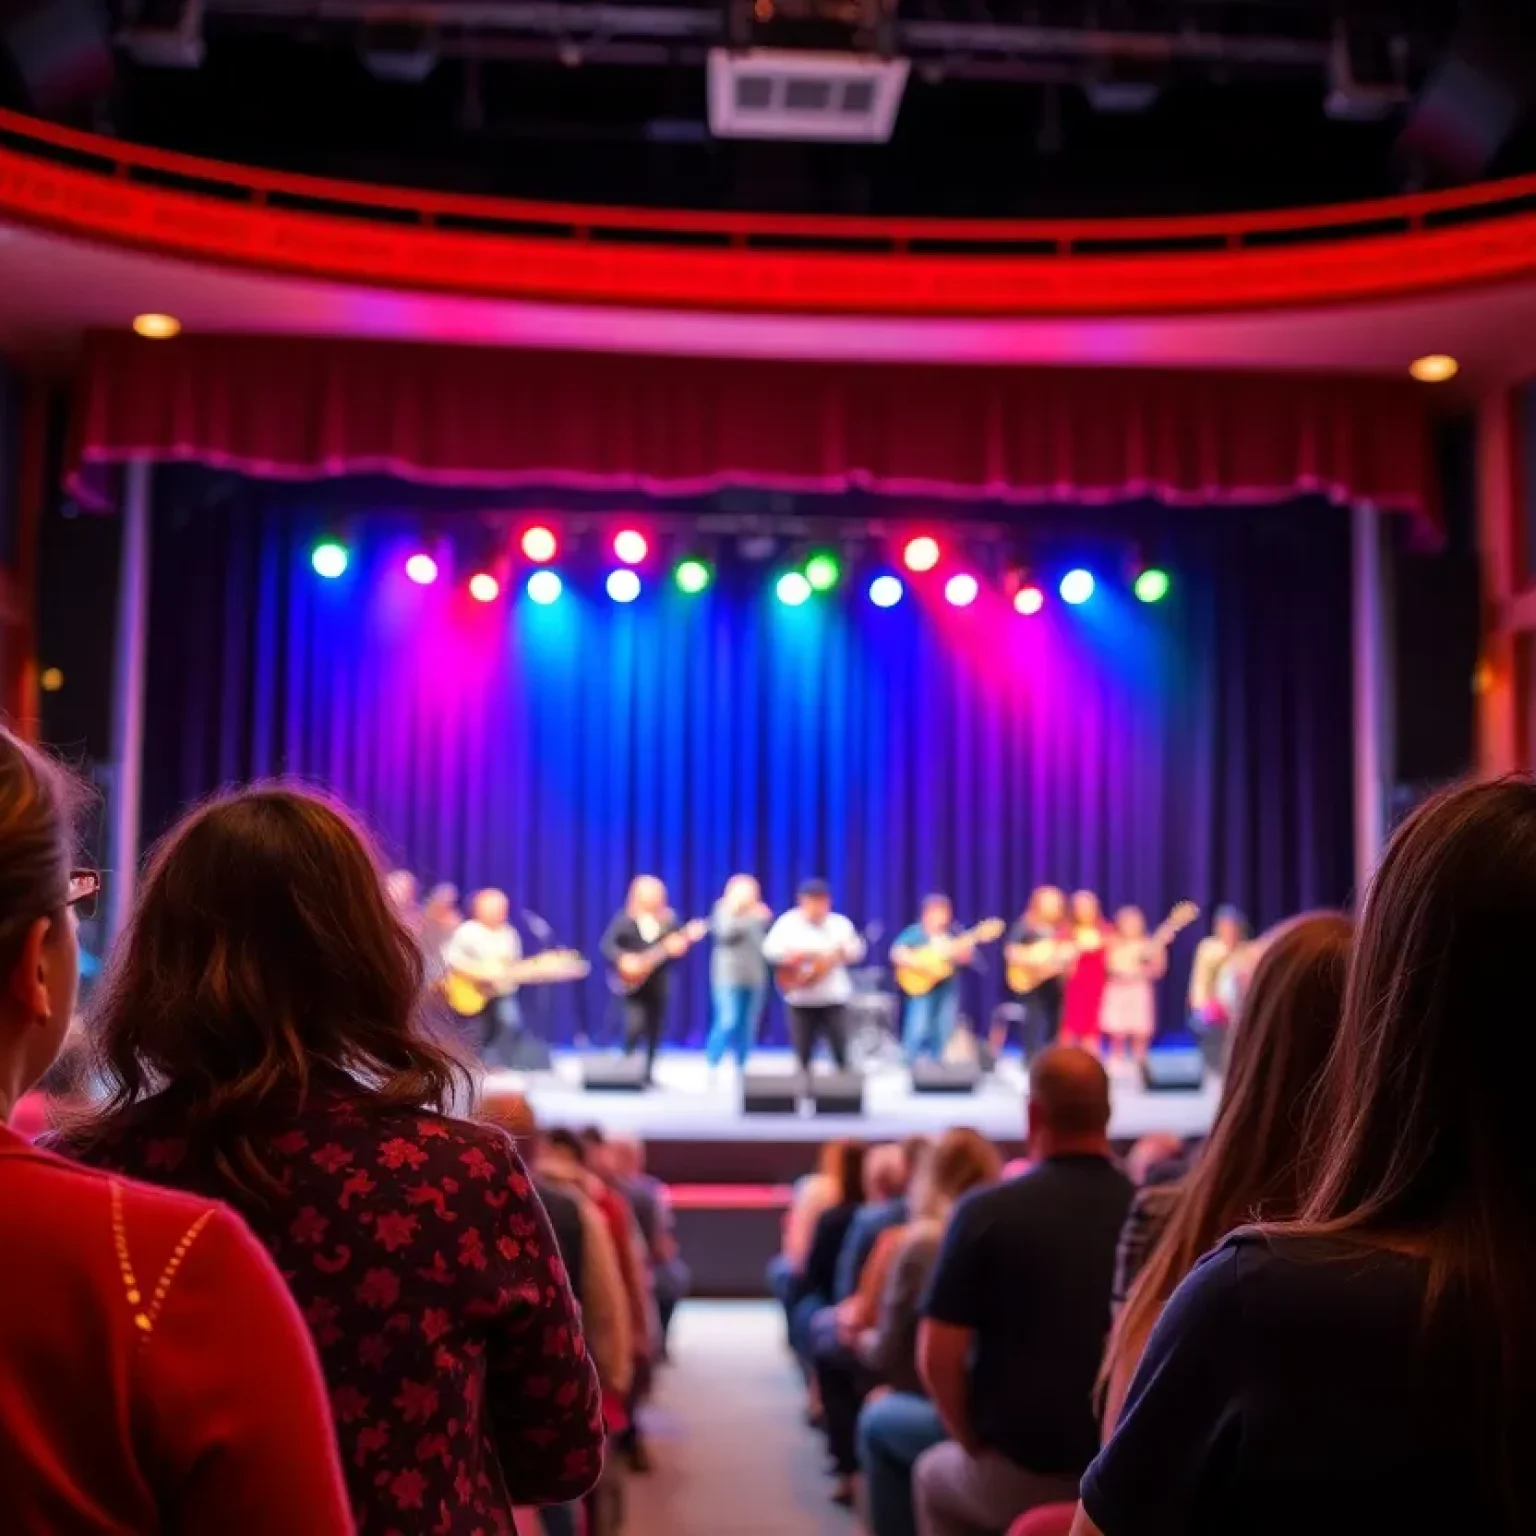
(177, 205)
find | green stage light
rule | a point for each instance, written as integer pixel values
(692, 576)
(1152, 584)
(823, 572)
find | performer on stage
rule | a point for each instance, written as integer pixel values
(1037, 952)
(640, 944)
(485, 950)
(929, 1021)
(738, 974)
(440, 920)
(811, 948)
(1209, 1016)
(1128, 1017)
(1083, 994)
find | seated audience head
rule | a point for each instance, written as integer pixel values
(963, 1159)
(39, 951)
(264, 950)
(1068, 1109)
(848, 1172)
(1423, 1134)
(512, 1113)
(489, 908)
(567, 1142)
(1149, 1151)
(814, 898)
(626, 1156)
(1256, 1164)
(885, 1172)
(938, 913)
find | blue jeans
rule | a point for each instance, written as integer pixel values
(738, 1010)
(560, 1519)
(893, 1432)
(930, 1021)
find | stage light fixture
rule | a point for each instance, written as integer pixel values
(623, 586)
(920, 554)
(960, 590)
(540, 545)
(1436, 368)
(1028, 600)
(421, 568)
(793, 589)
(544, 587)
(329, 558)
(1152, 584)
(823, 571)
(631, 546)
(156, 327)
(484, 587)
(1077, 586)
(692, 576)
(886, 591)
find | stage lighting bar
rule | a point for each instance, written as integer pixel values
(823, 570)
(886, 591)
(1152, 584)
(631, 546)
(1028, 600)
(692, 576)
(1077, 586)
(421, 568)
(544, 587)
(623, 586)
(961, 590)
(793, 589)
(484, 587)
(329, 558)
(920, 554)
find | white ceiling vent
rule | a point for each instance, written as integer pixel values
(771, 93)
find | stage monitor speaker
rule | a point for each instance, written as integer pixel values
(521, 1053)
(1173, 1069)
(613, 1074)
(838, 1093)
(771, 1093)
(945, 1076)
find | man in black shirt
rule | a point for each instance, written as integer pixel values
(1016, 1314)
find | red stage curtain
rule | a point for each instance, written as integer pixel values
(301, 408)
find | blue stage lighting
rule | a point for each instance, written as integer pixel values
(623, 586)
(545, 587)
(1077, 586)
(886, 591)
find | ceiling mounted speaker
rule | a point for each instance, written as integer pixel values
(58, 51)
(772, 93)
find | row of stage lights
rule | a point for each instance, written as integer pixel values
(821, 571)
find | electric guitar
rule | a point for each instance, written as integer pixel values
(929, 965)
(631, 971)
(469, 996)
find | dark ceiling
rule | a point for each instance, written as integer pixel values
(1010, 108)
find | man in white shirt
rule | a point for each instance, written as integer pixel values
(486, 950)
(816, 946)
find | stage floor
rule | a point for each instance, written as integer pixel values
(688, 1104)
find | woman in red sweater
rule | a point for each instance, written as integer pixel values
(260, 1033)
(128, 1403)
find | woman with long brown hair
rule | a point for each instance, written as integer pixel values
(1371, 1366)
(1255, 1165)
(154, 1373)
(260, 1038)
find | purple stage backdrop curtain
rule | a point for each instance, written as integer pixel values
(291, 408)
(1196, 748)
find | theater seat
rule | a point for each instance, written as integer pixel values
(1048, 1520)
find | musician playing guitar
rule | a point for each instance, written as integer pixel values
(641, 943)
(929, 1021)
(810, 948)
(1038, 953)
(486, 949)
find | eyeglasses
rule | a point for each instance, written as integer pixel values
(84, 888)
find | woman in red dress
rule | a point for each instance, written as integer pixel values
(1084, 996)
(260, 1040)
(128, 1401)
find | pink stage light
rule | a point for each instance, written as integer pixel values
(484, 587)
(1028, 600)
(960, 591)
(631, 546)
(540, 545)
(422, 569)
(920, 554)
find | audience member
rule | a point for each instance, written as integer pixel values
(127, 1401)
(812, 1290)
(886, 1172)
(1371, 1366)
(259, 1040)
(1255, 1166)
(1016, 1313)
(652, 1205)
(887, 1351)
(858, 1312)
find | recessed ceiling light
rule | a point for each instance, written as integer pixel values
(157, 327)
(1434, 369)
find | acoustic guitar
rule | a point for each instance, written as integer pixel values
(1038, 961)
(469, 996)
(633, 970)
(807, 970)
(930, 965)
